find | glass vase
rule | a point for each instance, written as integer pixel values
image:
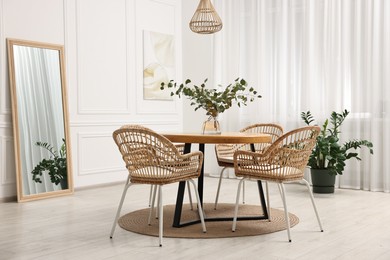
(211, 126)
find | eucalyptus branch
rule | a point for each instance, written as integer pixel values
(213, 100)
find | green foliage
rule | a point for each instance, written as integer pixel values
(212, 100)
(328, 152)
(56, 166)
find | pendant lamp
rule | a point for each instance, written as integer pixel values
(205, 19)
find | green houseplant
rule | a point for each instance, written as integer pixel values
(329, 155)
(213, 101)
(55, 166)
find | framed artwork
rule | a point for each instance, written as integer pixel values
(158, 64)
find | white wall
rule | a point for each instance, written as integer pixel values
(103, 49)
(30, 22)
(197, 65)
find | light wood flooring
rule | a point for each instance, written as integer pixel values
(356, 225)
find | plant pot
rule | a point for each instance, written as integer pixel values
(64, 184)
(322, 180)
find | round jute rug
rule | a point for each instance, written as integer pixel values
(137, 221)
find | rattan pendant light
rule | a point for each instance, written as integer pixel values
(205, 19)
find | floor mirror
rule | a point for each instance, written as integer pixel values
(40, 119)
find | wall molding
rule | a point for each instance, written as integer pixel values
(116, 123)
(82, 171)
(80, 106)
(8, 199)
(101, 111)
(3, 66)
(8, 176)
(99, 171)
(97, 186)
(5, 124)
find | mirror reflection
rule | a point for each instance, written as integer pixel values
(40, 119)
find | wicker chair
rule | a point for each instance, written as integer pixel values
(224, 152)
(284, 161)
(152, 159)
(153, 188)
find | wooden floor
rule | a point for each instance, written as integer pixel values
(356, 226)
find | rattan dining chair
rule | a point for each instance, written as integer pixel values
(284, 161)
(224, 152)
(153, 188)
(152, 159)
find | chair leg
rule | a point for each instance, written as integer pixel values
(200, 209)
(152, 207)
(268, 205)
(243, 192)
(160, 217)
(283, 195)
(127, 185)
(189, 195)
(236, 207)
(158, 205)
(219, 187)
(150, 195)
(314, 205)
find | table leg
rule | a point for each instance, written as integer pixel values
(201, 177)
(262, 200)
(179, 204)
(180, 195)
(261, 192)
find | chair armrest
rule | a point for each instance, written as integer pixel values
(250, 157)
(226, 150)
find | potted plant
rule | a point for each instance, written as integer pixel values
(328, 156)
(55, 166)
(213, 100)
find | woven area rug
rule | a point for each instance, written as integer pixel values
(137, 222)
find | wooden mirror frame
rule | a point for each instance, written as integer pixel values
(11, 43)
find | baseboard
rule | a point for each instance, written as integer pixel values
(15, 199)
(102, 185)
(9, 199)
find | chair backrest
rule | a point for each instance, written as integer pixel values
(274, 130)
(284, 160)
(293, 149)
(142, 147)
(224, 152)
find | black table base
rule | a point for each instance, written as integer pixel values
(181, 191)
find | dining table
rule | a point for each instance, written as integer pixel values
(223, 138)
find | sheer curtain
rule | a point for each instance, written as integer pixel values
(322, 56)
(40, 113)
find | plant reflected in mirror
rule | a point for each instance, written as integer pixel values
(55, 166)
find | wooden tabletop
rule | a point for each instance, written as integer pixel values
(223, 138)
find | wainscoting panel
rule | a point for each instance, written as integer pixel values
(101, 57)
(7, 167)
(7, 160)
(5, 96)
(97, 154)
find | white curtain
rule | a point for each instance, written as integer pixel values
(317, 55)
